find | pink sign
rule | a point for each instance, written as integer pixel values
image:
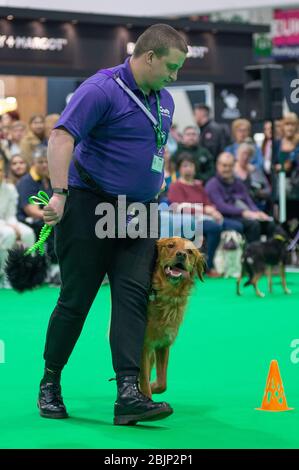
(286, 28)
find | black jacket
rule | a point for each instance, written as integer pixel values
(214, 138)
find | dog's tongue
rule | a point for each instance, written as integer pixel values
(177, 272)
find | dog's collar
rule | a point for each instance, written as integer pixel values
(280, 237)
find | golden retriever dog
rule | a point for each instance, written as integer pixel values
(178, 262)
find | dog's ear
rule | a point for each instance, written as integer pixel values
(199, 264)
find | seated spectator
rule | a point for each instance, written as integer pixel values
(34, 137)
(241, 131)
(18, 167)
(189, 190)
(11, 230)
(232, 199)
(213, 136)
(50, 121)
(9, 118)
(255, 180)
(285, 158)
(36, 180)
(204, 161)
(17, 133)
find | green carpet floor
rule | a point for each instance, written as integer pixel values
(217, 374)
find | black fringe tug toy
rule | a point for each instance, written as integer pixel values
(27, 268)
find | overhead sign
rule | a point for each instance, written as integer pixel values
(285, 38)
(33, 43)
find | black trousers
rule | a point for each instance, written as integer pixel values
(84, 259)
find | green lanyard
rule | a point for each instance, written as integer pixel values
(160, 134)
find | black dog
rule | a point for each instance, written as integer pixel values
(261, 257)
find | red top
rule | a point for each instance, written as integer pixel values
(180, 192)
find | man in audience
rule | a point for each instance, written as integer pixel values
(203, 159)
(230, 196)
(213, 136)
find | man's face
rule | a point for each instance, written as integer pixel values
(241, 133)
(225, 167)
(38, 126)
(164, 69)
(190, 137)
(41, 166)
(201, 116)
(17, 133)
(18, 166)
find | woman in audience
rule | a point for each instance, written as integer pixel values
(255, 180)
(50, 121)
(17, 133)
(11, 230)
(34, 137)
(241, 132)
(18, 167)
(285, 158)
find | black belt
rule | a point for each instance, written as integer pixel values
(91, 183)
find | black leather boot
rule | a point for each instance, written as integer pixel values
(132, 406)
(50, 402)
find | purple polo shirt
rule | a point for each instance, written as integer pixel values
(114, 140)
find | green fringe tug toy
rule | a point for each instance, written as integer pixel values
(27, 268)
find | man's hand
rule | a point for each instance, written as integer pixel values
(251, 215)
(263, 216)
(53, 212)
(256, 215)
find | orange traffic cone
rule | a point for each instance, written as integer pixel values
(274, 398)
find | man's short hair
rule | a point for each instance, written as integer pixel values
(203, 106)
(159, 38)
(194, 128)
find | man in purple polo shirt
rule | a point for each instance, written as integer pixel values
(231, 198)
(118, 151)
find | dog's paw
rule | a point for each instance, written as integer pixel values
(287, 291)
(261, 294)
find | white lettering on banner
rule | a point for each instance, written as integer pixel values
(33, 43)
(197, 52)
(286, 27)
(194, 52)
(295, 354)
(285, 51)
(295, 93)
